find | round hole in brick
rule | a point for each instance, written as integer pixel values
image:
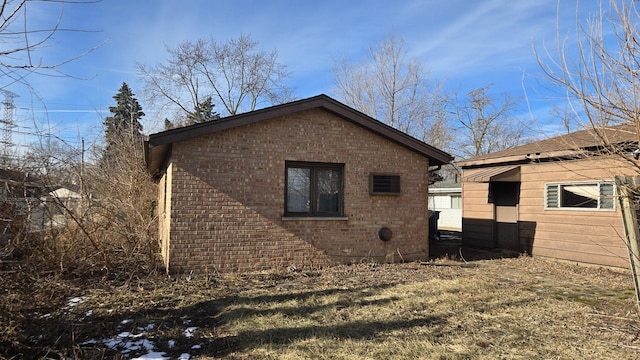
(385, 234)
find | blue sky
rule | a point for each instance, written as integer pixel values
(468, 44)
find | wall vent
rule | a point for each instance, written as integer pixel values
(384, 184)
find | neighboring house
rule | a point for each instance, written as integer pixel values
(445, 197)
(19, 195)
(56, 204)
(552, 198)
(308, 183)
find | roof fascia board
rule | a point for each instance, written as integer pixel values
(560, 154)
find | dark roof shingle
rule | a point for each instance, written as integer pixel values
(575, 141)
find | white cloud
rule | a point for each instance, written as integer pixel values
(470, 43)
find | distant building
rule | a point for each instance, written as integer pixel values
(19, 195)
(446, 198)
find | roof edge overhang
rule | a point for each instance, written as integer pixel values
(471, 163)
(158, 145)
(499, 173)
(445, 190)
(525, 158)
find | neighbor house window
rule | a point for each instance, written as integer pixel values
(456, 201)
(384, 184)
(592, 195)
(314, 189)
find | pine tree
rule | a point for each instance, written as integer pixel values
(203, 112)
(123, 130)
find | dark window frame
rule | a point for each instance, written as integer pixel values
(393, 190)
(314, 167)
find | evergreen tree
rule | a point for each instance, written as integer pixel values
(122, 130)
(168, 124)
(203, 112)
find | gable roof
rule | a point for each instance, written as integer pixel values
(158, 145)
(556, 147)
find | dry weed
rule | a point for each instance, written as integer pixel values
(510, 308)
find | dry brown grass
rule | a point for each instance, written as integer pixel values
(511, 308)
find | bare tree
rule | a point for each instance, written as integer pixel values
(598, 68)
(601, 73)
(235, 74)
(21, 40)
(484, 124)
(396, 90)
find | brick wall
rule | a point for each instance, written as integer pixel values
(227, 198)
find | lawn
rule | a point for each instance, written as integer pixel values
(522, 308)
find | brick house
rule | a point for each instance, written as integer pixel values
(308, 183)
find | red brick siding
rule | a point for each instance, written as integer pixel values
(227, 198)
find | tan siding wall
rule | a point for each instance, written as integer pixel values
(477, 213)
(228, 198)
(585, 236)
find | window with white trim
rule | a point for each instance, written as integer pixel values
(456, 201)
(580, 195)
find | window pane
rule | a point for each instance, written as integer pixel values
(606, 196)
(299, 190)
(328, 191)
(456, 201)
(552, 196)
(580, 196)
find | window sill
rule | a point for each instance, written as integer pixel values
(315, 218)
(579, 209)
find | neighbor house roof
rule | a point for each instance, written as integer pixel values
(446, 184)
(557, 147)
(18, 177)
(158, 145)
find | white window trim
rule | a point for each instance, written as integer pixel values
(559, 208)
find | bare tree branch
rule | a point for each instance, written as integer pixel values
(485, 124)
(21, 40)
(394, 89)
(236, 74)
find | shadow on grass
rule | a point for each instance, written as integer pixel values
(358, 330)
(319, 314)
(210, 318)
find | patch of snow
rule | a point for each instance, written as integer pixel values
(196, 347)
(189, 331)
(153, 356)
(88, 313)
(74, 301)
(127, 334)
(128, 343)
